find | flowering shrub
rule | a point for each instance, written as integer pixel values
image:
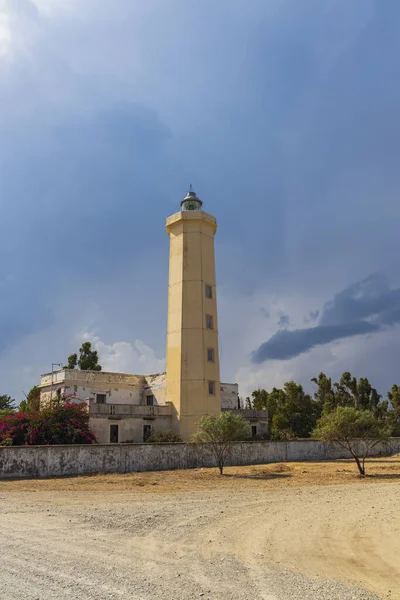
(60, 423)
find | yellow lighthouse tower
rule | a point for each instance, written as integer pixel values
(193, 381)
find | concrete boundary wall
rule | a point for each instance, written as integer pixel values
(56, 461)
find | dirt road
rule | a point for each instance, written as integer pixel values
(246, 537)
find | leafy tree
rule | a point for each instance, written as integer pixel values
(394, 412)
(219, 432)
(248, 403)
(277, 423)
(325, 395)
(300, 410)
(358, 431)
(32, 401)
(292, 412)
(260, 399)
(280, 428)
(348, 392)
(72, 361)
(88, 359)
(359, 394)
(7, 404)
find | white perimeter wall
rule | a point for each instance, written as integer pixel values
(55, 461)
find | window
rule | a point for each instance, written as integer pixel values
(146, 432)
(112, 409)
(209, 322)
(210, 354)
(211, 388)
(209, 293)
(150, 400)
(113, 434)
(101, 398)
(253, 430)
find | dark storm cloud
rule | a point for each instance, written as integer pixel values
(67, 218)
(312, 316)
(283, 321)
(364, 307)
(287, 344)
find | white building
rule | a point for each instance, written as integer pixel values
(125, 407)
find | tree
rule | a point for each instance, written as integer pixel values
(359, 394)
(394, 412)
(292, 412)
(325, 395)
(219, 432)
(7, 404)
(248, 403)
(32, 401)
(277, 424)
(72, 361)
(357, 431)
(260, 399)
(348, 392)
(88, 359)
(300, 411)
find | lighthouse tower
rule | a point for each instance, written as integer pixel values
(193, 379)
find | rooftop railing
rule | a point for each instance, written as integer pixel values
(129, 410)
(248, 413)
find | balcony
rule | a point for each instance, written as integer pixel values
(250, 414)
(129, 410)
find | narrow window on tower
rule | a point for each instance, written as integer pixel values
(210, 354)
(211, 388)
(209, 291)
(209, 322)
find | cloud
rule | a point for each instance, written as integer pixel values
(77, 320)
(287, 344)
(312, 316)
(375, 359)
(126, 357)
(283, 321)
(364, 307)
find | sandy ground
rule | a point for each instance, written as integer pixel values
(269, 532)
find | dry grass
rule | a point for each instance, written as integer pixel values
(271, 476)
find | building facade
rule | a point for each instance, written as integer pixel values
(125, 407)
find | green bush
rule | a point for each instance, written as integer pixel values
(163, 436)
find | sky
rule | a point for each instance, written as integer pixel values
(283, 114)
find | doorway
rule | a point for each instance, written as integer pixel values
(113, 434)
(146, 432)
